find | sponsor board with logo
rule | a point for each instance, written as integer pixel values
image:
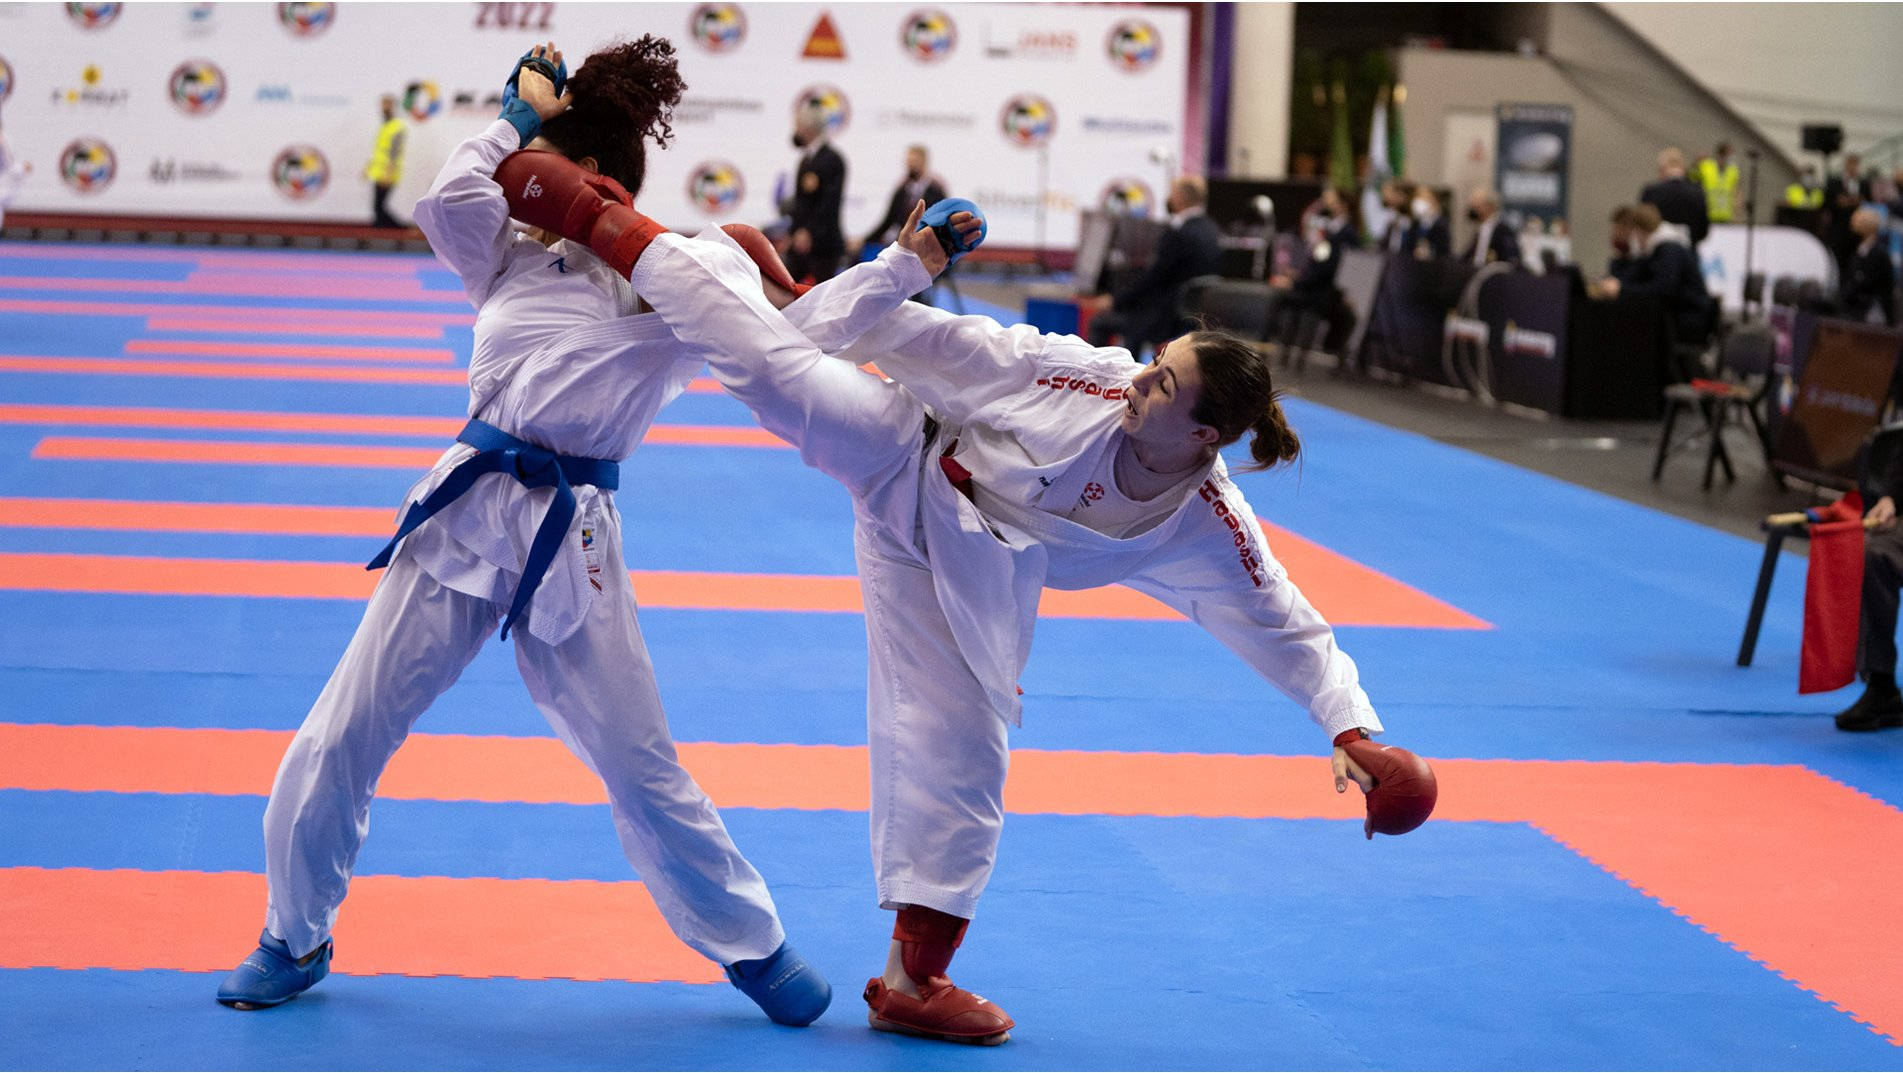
(1042, 109)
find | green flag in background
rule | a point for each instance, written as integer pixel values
(1397, 144)
(1341, 151)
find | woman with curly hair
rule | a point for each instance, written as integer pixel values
(517, 525)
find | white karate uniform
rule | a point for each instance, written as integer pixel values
(952, 584)
(563, 360)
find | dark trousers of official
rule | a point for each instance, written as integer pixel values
(380, 206)
(1882, 587)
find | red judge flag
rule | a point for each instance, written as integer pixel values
(1833, 594)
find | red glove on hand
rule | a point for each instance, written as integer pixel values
(549, 191)
(1404, 789)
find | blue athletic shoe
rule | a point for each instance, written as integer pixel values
(271, 976)
(938, 218)
(784, 985)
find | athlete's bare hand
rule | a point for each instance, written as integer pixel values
(535, 87)
(1346, 769)
(925, 243)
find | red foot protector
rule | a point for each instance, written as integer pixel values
(760, 248)
(549, 191)
(943, 1011)
(1404, 789)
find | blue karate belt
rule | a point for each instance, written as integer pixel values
(534, 467)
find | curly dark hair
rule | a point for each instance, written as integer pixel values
(620, 97)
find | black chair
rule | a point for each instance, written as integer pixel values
(1753, 292)
(1784, 291)
(1238, 306)
(1743, 383)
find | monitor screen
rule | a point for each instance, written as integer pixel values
(1841, 397)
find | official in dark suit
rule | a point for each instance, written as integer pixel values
(1679, 200)
(1334, 227)
(1430, 239)
(1397, 196)
(918, 185)
(818, 239)
(1493, 240)
(1844, 193)
(1655, 261)
(1145, 311)
(1871, 281)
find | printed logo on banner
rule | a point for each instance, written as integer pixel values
(91, 93)
(307, 19)
(422, 100)
(1126, 125)
(198, 87)
(167, 170)
(200, 19)
(1031, 44)
(279, 93)
(300, 172)
(94, 16)
(1133, 45)
(831, 104)
(1127, 197)
(718, 27)
(88, 165)
(694, 109)
(515, 16)
(912, 118)
(928, 35)
(475, 100)
(1028, 120)
(715, 187)
(824, 43)
(6, 80)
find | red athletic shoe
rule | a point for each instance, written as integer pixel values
(758, 247)
(943, 1011)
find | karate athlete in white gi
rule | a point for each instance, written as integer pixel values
(565, 373)
(995, 461)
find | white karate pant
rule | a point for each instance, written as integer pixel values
(938, 750)
(596, 689)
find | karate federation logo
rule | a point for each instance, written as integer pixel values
(718, 27)
(6, 80)
(422, 100)
(928, 35)
(829, 102)
(94, 16)
(307, 19)
(300, 172)
(1127, 197)
(88, 165)
(1134, 44)
(198, 87)
(715, 187)
(1028, 120)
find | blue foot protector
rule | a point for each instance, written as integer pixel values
(938, 218)
(272, 976)
(784, 985)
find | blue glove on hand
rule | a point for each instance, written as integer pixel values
(938, 218)
(516, 110)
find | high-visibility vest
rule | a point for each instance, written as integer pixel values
(1720, 185)
(386, 160)
(1799, 196)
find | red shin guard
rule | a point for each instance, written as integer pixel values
(927, 939)
(549, 191)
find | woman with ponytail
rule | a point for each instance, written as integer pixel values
(995, 462)
(517, 525)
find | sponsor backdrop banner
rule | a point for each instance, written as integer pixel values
(250, 110)
(1533, 161)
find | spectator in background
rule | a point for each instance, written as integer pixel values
(1719, 176)
(386, 164)
(1870, 285)
(1896, 196)
(1843, 195)
(817, 239)
(1651, 259)
(1397, 196)
(1431, 239)
(1807, 192)
(1145, 311)
(1679, 200)
(918, 185)
(13, 172)
(1493, 240)
(1333, 226)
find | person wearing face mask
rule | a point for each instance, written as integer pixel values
(1652, 259)
(1144, 312)
(1493, 240)
(1397, 196)
(818, 239)
(1431, 239)
(1871, 284)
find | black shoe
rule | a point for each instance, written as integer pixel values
(1875, 710)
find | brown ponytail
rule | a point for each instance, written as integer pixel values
(1238, 396)
(620, 97)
